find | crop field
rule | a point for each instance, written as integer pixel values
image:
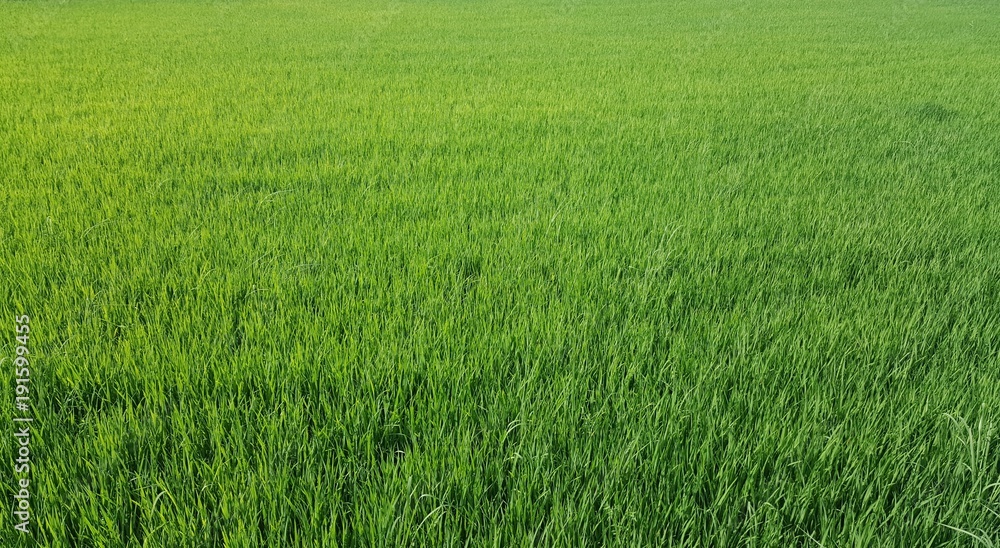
(500, 273)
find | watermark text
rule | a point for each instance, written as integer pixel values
(22, 426)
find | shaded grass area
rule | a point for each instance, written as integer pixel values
(500, 273)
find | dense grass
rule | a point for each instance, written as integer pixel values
(505, 273)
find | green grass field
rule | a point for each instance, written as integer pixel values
(503, 273)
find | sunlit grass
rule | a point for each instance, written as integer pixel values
(505, 273)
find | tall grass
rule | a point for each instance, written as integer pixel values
(505, 273)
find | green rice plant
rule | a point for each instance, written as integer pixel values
(503, 273)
